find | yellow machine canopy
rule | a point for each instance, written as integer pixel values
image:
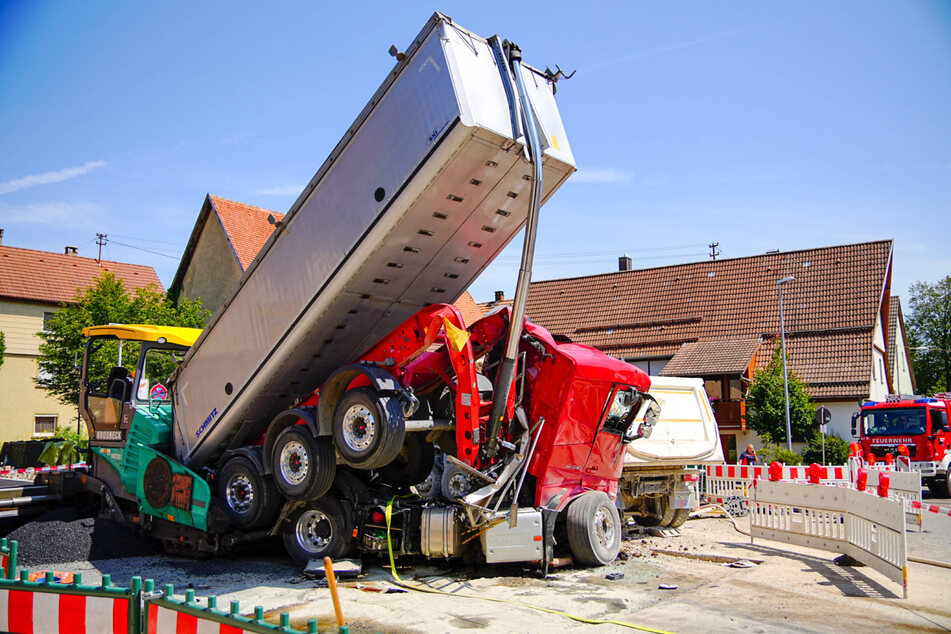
(146, 332)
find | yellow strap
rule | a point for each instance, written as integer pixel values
(574, 617)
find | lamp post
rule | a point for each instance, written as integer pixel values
(782, 335)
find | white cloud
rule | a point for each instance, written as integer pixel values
(46, 178)
(280, 190)
(601, 176)
(55, 213)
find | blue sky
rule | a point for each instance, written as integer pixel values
(758, 125)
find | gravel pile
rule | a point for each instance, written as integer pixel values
(60, 536)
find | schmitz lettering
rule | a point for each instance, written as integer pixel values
(207, 422)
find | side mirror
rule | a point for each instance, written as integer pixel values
(855, 418)
(946, 429)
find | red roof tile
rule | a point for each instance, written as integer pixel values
(246, 226)
(469, 309)
(654, 312)
(709, 358)
(53, 278)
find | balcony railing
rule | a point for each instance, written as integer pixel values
(730, 414)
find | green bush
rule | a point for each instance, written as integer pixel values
(775, 453)
(837, 450)
(69, 448)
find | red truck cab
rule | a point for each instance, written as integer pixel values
(920, 424)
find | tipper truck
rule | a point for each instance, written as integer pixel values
(913, 426)
(317, 400)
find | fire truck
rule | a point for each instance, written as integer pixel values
(912, 425)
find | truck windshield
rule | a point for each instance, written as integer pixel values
(895, 422)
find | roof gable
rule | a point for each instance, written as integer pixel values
(655, 312)
(246, 226)
(55, 278)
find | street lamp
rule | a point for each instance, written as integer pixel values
(782, 334)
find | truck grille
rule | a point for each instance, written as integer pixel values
(879, 451)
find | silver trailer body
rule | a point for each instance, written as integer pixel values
(421, 194)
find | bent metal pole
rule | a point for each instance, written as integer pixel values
(503, 383)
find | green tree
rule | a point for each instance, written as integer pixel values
(106, 301)
(837, 450)
(766, 411)
(929, 327)
(3, 347)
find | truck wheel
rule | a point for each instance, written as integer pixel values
(250, 497)
(680, 518)
(594, 529)
(320, 529)
(368, 429)
(303, 466)
(412, 464)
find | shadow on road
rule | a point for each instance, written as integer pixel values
(848, 579)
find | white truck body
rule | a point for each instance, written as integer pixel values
(424, 190)
(686, 430)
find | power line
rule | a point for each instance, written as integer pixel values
(138, 239)
(164, 255)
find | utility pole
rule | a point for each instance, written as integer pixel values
(100, 240)
(714, 250)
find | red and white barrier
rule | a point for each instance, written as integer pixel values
(27, 612)
(730, 481)
(930, 508)
(162, 620)
(31, 470)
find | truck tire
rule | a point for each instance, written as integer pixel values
(679, 519)
(412, 464)
(321, 528)
(250, 497)
(368, 429)
(303, 466)
(594, 529)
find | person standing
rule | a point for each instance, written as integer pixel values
(748, 456)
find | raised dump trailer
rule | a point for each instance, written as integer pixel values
(419, 196)
(657, 488)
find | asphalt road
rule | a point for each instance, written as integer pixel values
(934, 541)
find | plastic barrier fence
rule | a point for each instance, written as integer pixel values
(731, 481)
(31, 470)
(164, 614)
(904, 486)
(836, 519)
(44, 606)
(8, 558)
(48, 606)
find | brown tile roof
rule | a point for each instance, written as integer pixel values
(894, 316)
(469, 309)
(487, 307)
(709, 358)
(246, 226)
(54, 278)
(654, 312)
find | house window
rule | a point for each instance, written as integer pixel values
(44, 425)
(47, 315)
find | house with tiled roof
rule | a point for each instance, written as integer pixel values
(34, 285)
(224, 242)
(899, 358)
(719, 320)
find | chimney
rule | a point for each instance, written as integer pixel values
(624, 263)
(71, 250)
(499, 296)
(1, 236)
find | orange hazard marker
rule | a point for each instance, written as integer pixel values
(332, 583)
